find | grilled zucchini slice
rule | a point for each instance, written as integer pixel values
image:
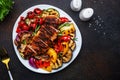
(50, 11)
(67, 29)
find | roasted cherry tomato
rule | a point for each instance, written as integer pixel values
(22, 18)
(18, 29)
(30, 15)
(21, 23)
(25, 27)
(33, 25)
(37, 11)
(63, 19)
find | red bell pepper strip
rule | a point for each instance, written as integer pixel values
(63, 19)
(41, 64)
(65, 38)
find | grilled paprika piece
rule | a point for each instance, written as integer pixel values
(65, 38)
(63, 19)
(41, 64)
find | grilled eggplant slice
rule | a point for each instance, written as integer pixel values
(67, 57)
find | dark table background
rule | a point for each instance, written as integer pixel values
(99, 58)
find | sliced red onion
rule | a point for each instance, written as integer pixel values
(32, 62)
(17, 38)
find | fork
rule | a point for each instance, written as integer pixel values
(5, 59)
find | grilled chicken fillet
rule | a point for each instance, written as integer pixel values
(42, 41)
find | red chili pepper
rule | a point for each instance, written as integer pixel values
(65, 38)
(63, 19)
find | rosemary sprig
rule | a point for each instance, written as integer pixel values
(36, 30)
(75, 39)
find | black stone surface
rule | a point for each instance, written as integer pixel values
(99, 58)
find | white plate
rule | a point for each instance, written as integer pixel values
(62, 14)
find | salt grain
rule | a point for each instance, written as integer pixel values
(95, 29)
(94, 1)
(104, 33)
(97, 25)
(97, 22)
(101, 2)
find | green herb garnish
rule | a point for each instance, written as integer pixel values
(75, 39)
(36, 30)
(60, 55)
(24, 42)
(64, 25)
(60, 33)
